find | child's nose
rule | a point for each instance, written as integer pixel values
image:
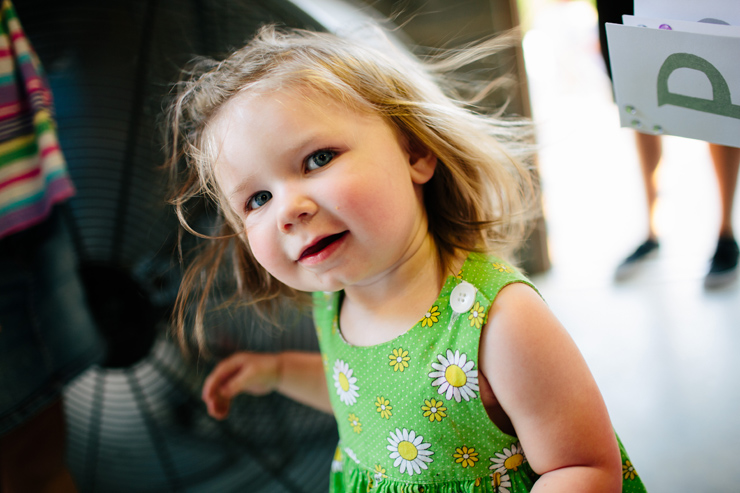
(297, 208)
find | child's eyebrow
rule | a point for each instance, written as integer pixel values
(239, 188)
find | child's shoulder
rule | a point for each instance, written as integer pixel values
(490, 273)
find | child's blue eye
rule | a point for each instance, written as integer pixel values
(319, 159)
(258, 200)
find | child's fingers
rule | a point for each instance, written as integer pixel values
(217, 402)
(216, 392)
(221, 374)
(241, 372)
(218, 407)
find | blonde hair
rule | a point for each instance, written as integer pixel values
(480, 198)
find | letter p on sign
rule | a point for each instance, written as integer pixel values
(677, 83)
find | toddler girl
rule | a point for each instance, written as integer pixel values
(347, 172)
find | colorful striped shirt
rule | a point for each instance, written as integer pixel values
(33, 173)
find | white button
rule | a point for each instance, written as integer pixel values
(462, 297)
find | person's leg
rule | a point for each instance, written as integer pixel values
(649, 151)
(32, 455)
(726, 161)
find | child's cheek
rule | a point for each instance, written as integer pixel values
(357, 195)
(263, 248)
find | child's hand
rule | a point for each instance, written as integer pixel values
(253, 373)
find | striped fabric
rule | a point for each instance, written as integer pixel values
(33, 174)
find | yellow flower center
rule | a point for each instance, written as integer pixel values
(343, 382)
(455, 376)
(514, 461)
(496, 479)
(407, 450)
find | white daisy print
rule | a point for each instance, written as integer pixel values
(336, 462)
(345, 383)
(350, 453)
(455, 376)
(379, 475)
(508, 460)
(500, 482)
(409, 451)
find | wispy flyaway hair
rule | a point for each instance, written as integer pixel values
(481, 197)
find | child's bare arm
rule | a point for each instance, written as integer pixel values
(543, 384)
(302, 379)
(298, 375)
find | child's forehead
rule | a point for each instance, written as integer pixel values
(289, 98)
(290, 104)
(287, 120)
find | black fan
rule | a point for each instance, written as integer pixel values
(136, 422)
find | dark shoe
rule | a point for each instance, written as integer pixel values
(723, 269)
(632, 263)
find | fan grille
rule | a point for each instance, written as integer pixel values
(137, 423)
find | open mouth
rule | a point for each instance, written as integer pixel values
(321, 244)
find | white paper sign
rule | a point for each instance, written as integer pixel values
(727, 11)
(677, 83)
(679, 25)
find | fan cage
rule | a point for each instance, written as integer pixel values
(136, 422)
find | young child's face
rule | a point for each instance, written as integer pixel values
(330, 197)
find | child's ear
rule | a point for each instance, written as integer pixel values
(423, 163)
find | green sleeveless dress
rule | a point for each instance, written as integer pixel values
(409, 411)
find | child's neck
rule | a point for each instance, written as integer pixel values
(380, 312)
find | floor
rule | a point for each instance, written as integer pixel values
(662, 348)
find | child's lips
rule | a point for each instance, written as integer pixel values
(321, 248)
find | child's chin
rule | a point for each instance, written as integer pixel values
(315, 287)
(312, 283)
